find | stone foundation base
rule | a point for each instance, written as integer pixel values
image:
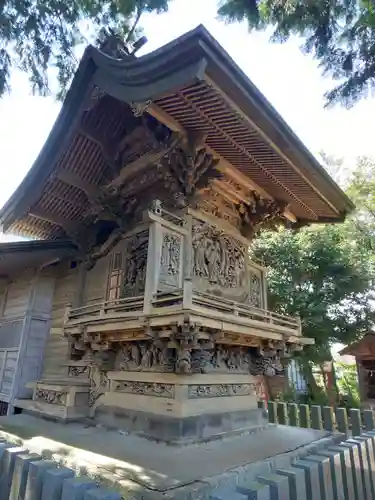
(174, 430)
(178, 408)
(58, 399)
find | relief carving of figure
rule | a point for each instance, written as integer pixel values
(183, 360)
(170, 255)
(145, 356)
(218, 257)
(135, 264)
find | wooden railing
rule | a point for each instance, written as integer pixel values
(168, 299)
(116, 307)
(134, 306)
(222, 305)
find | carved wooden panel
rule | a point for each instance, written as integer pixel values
(256, 288)
(170, 261)
(135, 264)
(220, 262)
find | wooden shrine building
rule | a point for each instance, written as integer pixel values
(160, 170)
(364, 353)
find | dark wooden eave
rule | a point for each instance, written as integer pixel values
(15, 257)
(194, 83)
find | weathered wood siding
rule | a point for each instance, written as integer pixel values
(56, 349)
(36, 332)
(96, 282)
(8, 367)
(17, 295)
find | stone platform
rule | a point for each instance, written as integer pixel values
(140, 468)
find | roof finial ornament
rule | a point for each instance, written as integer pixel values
(113, 45)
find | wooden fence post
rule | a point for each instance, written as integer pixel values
(293, 414)
(316, 417)
(342, 421)
(282, 413)
(304, 416)
(328, 418)
(272, 412)
(355, 417)
(368, 420)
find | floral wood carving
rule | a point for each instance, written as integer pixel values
(259, 212)
(218, 257)
(76, 371)
(188, 168)
(220, 390)
(51, 397)
(145, 388)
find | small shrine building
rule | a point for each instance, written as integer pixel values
(159, 171)
(364, 354)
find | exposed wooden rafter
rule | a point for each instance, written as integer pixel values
(65, 224)
(73, 179)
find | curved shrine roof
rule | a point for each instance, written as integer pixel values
(189, 84)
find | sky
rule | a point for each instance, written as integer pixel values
(290, 80)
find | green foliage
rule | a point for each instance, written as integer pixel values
(322, 274)
(347, 383)
(340, 34)
(325, 274)
(38, 34)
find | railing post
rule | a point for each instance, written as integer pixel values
(67, 312)
(368, 419)
(342, 421)
(282, 413)
(272, 412)
(187, 299)
(355, 418)
(293, 414)
(328, 418)
(304, 416)
(316, 417)
(102, 309)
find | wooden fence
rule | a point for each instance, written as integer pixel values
(349, 422)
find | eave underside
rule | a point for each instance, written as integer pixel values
(197, 107)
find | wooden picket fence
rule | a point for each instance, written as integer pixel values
(349, 422)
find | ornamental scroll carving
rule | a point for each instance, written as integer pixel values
(258, 213)
(135, 264)
(76, 371)
(145, 388)
(188, 168)
(218, 257)
(51, 397)
(220, 390)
